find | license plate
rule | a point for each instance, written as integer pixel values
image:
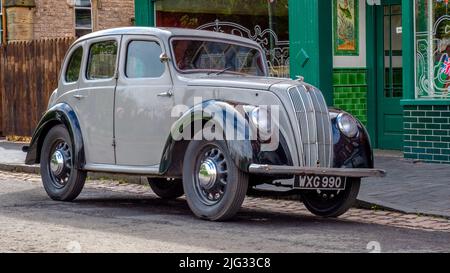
(323, 183)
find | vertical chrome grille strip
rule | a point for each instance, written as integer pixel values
(300, 143)
(314, 125)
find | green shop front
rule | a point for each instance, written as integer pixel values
(385, 61)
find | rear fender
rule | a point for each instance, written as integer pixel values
(63, 114)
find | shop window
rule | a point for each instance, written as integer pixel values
(264, 21)
(83, 17)
(432, 33)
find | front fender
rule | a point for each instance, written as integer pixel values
(240, 149)
(60, 113)
(351, 152)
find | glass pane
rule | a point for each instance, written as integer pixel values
(102, 60)
(143, 60)
(83, 18)
(397, 55)
(208, 56)
(266, 22)
(83, 3)
(387, 54)
(82, 32)
(433, 49)
(73, 68)
(396, 9)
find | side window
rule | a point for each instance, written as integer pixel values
(74, 65)
(143, 60)
(102, 60)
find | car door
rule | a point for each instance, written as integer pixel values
(95, 98)
(143, 103)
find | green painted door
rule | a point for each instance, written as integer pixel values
(389, 75)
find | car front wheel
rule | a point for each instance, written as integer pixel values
(62, 181)
(215, 188)
(331, 203)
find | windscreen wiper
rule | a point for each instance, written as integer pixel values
(221, 71)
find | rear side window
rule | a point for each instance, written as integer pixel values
(143, 60)
(102, 60)
(74, 65)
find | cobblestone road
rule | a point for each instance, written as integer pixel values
(111, 216)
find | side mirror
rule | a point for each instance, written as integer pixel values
(164, 58)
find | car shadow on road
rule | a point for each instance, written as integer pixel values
(108, 204)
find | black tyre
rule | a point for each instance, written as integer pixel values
(215, 188)
(166, 188)
(332, 203)
(61, 180)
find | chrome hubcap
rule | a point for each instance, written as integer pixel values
(57, 163)
(211, 175)
(208, 174)
(60, 164)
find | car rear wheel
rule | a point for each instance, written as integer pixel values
(62, 181)
(166, 188)
(331, 203)
(215, 188)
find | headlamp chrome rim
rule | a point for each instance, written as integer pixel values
(347, 124)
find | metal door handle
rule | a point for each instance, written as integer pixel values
(166, 94)
(79, 97)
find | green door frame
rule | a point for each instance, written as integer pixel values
(144, 11)
(408, 62)
(311, 43)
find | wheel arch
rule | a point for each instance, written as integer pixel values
(241, 151)
(60, 114)
(351, 152)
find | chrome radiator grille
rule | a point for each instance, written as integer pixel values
(314, 125)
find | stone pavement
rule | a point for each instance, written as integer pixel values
(410, 187)
(379, 217)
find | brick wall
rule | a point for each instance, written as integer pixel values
(427, 133)
(53, 18)
(350, 91)
(56, 18)
(113, 13)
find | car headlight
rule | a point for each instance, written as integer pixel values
(261, 119)
(347, 124)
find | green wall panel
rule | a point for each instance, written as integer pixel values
(427, 133)
(311, 52)
(350, 91)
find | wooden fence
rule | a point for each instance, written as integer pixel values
(29, 73)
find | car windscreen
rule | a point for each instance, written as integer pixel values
(193, 56)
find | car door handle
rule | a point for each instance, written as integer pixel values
(79, 97)
(166, 94)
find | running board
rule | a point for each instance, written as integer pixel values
(134, 170)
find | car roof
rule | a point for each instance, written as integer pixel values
(166, 32)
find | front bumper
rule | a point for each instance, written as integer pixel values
(302, 171)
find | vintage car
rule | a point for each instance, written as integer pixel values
(196, 113)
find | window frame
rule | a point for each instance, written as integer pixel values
(87, 59)
(68, 60)
(76, 7)
(126, 59)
